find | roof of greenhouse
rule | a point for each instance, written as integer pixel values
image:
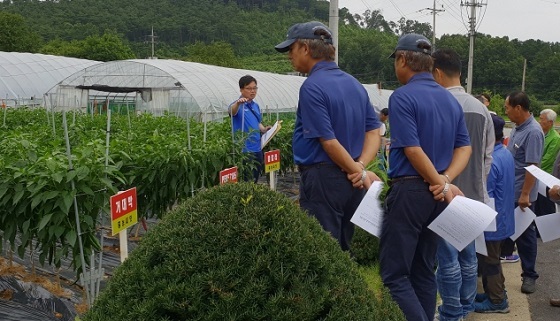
(27, 76)
(212, 88)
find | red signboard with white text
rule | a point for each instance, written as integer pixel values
(228, 175)
(123, 210)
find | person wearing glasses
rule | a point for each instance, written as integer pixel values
(246, 118)
(336, 131)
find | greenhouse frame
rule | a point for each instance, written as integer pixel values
(185, 89)
(26, 77)
(158, 86)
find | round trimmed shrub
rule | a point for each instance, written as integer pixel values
(239, 252)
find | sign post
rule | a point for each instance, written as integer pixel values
(228, 175)
(123, 215)
(271, 165)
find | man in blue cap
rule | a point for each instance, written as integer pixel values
(430, 146)
(336, 132)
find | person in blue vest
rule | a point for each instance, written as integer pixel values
(246, 118)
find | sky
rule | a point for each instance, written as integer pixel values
(521, 19)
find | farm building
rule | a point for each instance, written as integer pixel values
(26, 77)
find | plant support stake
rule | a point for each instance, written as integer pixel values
(76, 213)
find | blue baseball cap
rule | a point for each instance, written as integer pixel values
(413, 42)
(305, 30)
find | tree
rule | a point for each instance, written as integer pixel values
(375, 20)
(217, 53)
(107, 47)
(404, 26)
(363, 53)
(16, 35)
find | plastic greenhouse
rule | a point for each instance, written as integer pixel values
(186, 89)
(26, 77)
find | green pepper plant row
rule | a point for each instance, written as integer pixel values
(150, 153)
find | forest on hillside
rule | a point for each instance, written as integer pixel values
(242, 34)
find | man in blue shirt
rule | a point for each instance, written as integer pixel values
(526, 145)
(336, 132)
(429, 148)
(246, 118)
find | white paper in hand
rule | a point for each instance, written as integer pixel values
(522, 221)
(369, 214)
(549, 226)
(462, 221)
(480, 245)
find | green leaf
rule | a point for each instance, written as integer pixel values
(44, 221)
(58, 231)
(71, 238)
(50, 195)
(86, 189)
(57, 177)
(82, 172)
(17, 197)
(70, 176)
(25, 226)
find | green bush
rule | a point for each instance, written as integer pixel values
(365, 248)
(239, 252)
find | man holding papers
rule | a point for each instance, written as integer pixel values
(500, 189)
(457, 270)
(336, 131)
(246, 118)
(526, 145)
(429, 147)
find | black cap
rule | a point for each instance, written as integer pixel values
(499, 124)
(305, 30)
(413, 42)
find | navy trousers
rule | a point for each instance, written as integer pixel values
(326, 194)
(408, 248)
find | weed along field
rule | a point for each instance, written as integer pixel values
(236, 251)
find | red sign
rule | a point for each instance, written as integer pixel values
(272, 161)
(123, 210)
(228, 175)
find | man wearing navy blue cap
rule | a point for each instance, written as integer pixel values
(430, 146)
(336, 132)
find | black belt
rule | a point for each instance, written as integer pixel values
(404, 178)
(302, 168)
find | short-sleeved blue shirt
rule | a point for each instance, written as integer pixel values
(332, 105)
(526, 143)
(427, 115)
(247, 119)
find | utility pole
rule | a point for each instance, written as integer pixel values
(434, 12)
(333, 25)
(524, 71)
(153, 41)
(472, 5)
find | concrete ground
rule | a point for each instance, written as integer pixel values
(532, 307)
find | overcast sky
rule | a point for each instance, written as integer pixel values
(521, 19)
